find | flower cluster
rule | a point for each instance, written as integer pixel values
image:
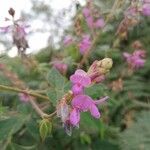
(136, 59)
(146, 8)
(93, 23)
(18, 32)
(80, 102)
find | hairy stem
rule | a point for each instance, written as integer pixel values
(17, 90)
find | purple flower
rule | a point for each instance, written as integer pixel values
(85, 44)
(83, 103)
(90, 21)
(60, 66)
(86, 12)
(67, 40)
(5, 29)
(24, 97)
(135, 60)
(146, 9)
(79, 80)
(99, 23)
(146, 1)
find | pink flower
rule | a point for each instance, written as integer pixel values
(135, 60)
(90, 21)
(5, 29)
(67, 40)
(86, 12)
(83, 103)
(60, 66)
(146, 1)
(24, 97)
(85, 44)
(99, 23)
(146, 9)
(79, 80)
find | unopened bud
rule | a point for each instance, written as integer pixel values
(11, 11)
(105, 63)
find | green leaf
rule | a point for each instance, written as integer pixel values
(96, 91)
(10, 126)
(45, 128)
(138, 135)
(59, 86)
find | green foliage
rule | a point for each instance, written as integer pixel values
(58, 86)
(137, 136)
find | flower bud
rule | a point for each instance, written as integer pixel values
(105, 63)
(99, 69)
(11, 11)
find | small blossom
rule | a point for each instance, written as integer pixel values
(85, 44)
(146, 9)
(146, 1)
(24, 97)
(86, 12)
(90, 21)
(83, 103)
(18, 32)
(68, 40)
(99, 23)
(60, 66)
(5, 29)
(79, 80)
(135, 60)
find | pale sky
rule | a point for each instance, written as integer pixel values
(35, 41)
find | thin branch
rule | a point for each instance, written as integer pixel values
(17, 90)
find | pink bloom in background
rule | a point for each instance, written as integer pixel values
(86, 12)
(5, 29)
(68, 40)
(100, 23)
(90, 21)
(135, 60)
(24, 97)
(146, 1)
(79, 80)
(2, 66)
(85, 44)
(146, 9)
(83, 103)
(60, 66)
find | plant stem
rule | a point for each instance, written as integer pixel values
(17, 90)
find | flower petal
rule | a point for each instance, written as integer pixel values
(94, 111)
(74, 117)
(100, 101)
(82, 102)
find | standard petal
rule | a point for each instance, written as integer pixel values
(82, 102)
(77, 89)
